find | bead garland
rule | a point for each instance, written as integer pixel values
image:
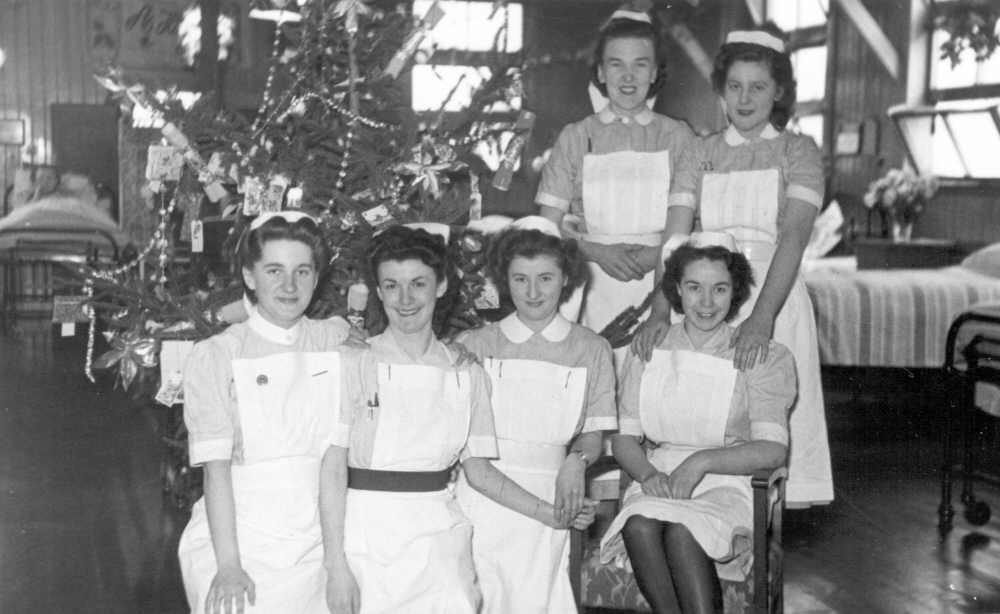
(265, 100)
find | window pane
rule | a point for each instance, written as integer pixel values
(978, 140)
(810, 125)
(466, 26)
(943, 76)
(432, 84)
(916, 131)
(989, 71)
(795, 14)
(810, 71)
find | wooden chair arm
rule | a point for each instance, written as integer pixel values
(766, 478)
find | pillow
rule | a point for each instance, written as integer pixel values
(985, 261)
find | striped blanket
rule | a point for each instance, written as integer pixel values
(891, 317)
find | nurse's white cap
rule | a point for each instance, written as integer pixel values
(537, 222)
(435, 228)
(714, 239)
(756, 37)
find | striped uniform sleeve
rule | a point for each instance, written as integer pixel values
(804, 171)
(687, 174)
(599, 405)
(559, 176)
(628, 396)
(771, 389)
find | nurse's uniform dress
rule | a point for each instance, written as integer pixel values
(686, 399)
(265, 398)
(406, 540)
(740, 187)
(547, 387)
(615, 173)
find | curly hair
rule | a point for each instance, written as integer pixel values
(629, 28)
(399, 243)
(736, 263)
(530, 243)
(779, 65)
(306, 231)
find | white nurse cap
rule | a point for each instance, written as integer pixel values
(756, 37)
(713, 239)
(539, 223)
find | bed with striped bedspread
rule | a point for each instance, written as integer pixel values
(889, 317)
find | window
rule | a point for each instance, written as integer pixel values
(805, 22)
(957, 136)
(455, 52)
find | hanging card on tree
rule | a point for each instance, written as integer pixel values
(164, 163)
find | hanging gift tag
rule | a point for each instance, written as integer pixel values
(273, 196)
(68, 308)
(164, 163)
(67, 329)
(171, 389)
(173, 355)
(377, 216)
(251, 196)
(294, 197)
(489, 297)
(197, 237)
(175, 136)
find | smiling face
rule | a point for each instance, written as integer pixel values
(283, 280)
(409, 289)
(706, 291)
(627, 69)
(750, 92)
(535, 287)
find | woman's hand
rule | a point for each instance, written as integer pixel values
(648, 336)
(586, 515)
(751, 341)
(356, 338)
(647, 256)
(229, 586)
(569, 488)
(342, 593)
(617, 260)
(464, 357)
(686, 477)
(657, 485)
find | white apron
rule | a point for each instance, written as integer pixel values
(283, 401)
(411, 551)
(746, 205)
(684, 402)
(523, 565)
(624, 201)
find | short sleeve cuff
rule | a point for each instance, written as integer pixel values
(801, 192)
(630, 426)
(480, 447)
(769, 431)
(681, 199)
(551, 200)
(201, 452)
(340, 437)
(600, 423)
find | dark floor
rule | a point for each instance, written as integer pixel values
(83, 525)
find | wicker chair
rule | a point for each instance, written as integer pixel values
(608, 586)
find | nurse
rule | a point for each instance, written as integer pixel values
(261, 412)
(764, 185)
(712, 426)
(552, 389)
(398, 541)
(614, 170)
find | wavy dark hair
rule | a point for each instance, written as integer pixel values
(779, 64)
(304, 231)
(399, 243)
(629, 28)
(736, 263)
(529, 243)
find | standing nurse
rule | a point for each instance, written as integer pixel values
(614, 170)
(764, 186)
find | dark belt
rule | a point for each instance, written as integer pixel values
(398, 481)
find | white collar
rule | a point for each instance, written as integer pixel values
(734, 138)
(643, 117)
(273, 332)
(517, 331)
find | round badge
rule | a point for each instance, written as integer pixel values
(261, 379)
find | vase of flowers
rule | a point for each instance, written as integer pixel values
(900, 196)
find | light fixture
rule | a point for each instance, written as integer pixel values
(3, 57)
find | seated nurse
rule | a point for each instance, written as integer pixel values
(261, 411)
(553, 396)
(397, 540)
(689, 509)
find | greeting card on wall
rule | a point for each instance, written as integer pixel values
(149, 34)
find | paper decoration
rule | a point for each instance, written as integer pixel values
(68, 309)
(293, 199)
(197, 237)
(253, 192)
(512, 154)
(412, 42)
(377, 216)
(489, 296)
(173, 355)
(164, 163)
(273, 196)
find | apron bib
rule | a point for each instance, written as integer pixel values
(624, 201)
(522, 564)
(684, 403)
(747, 204)
(276, 488)
(410, 552)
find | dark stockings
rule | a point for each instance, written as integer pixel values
(673, 572)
